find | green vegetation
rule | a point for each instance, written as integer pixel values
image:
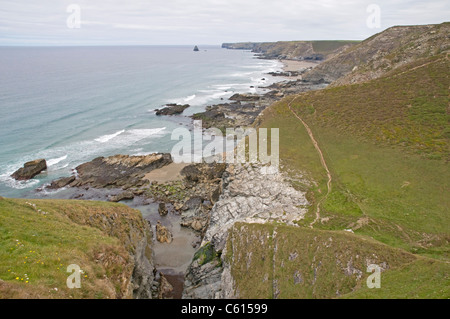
(386, 143)
(39, 239)
(325, 47)
(206, 254)
(271, 261)
(386, 146)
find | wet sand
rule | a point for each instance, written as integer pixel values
(166, 174)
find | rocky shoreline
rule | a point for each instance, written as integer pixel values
(205, 198)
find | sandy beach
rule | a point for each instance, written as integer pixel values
(291, 65)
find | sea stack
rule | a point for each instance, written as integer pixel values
(30, 169)
(196, 49)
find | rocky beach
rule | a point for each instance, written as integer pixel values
(190, 207)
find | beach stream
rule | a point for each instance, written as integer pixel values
(172, 260)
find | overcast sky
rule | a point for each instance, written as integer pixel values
(135, 22)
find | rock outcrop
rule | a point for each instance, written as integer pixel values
(245, 97)
(118, 171)
(163, 234)
(251, 196)
(382, 53)
(165, 287)
(172, 109)
(248, 196)
(62, 182)
(135, 235)
(293, 50)
(30, 170)
(122, 196)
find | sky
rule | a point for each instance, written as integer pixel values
(180, 22)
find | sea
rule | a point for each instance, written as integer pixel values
(70, 105)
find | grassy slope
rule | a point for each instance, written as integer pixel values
(35, 249)
(386, 143)
(311, 263)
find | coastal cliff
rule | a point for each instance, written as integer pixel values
(111, 243)
(294, 50)
(312, 230)
(369, 209)
(382, 53)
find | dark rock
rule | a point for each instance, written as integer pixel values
(285, 73)
(162, 209)
(62, 182)
(121, 197)
(30, 169)
(118, 171)
(191, 173)
(192, 203)
(163, 234)
(245, 97)
(172, 109)
(216, 195)
(165, 288)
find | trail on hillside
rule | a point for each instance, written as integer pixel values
(420, 66)
(322, 160)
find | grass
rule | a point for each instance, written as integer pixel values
(386, 144)
(395, 192)
(330, 46)
(38, 243)
(285, 262)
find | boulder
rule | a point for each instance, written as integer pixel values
(163, 234)
(165, 287)
(30, 170)
(121, 197)
(162, 209)
(191, 173)
(192, 203)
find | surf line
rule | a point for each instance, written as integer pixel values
(322, 159)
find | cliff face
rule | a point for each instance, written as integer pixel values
(136, 236)
(111, 244)
(381, 53)
(294, 50)
(248, 196)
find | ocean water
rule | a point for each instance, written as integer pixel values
(70, 105)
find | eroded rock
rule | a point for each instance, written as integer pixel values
(163, 235)
(30, 170)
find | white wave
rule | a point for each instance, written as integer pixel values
(106, 138)
(139, 134)
(12, 183)
(190, 98)
(241, 74)
(55, 161)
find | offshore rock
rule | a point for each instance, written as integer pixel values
(30, 170)
(172, 109)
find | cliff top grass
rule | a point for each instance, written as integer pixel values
(39, 239)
